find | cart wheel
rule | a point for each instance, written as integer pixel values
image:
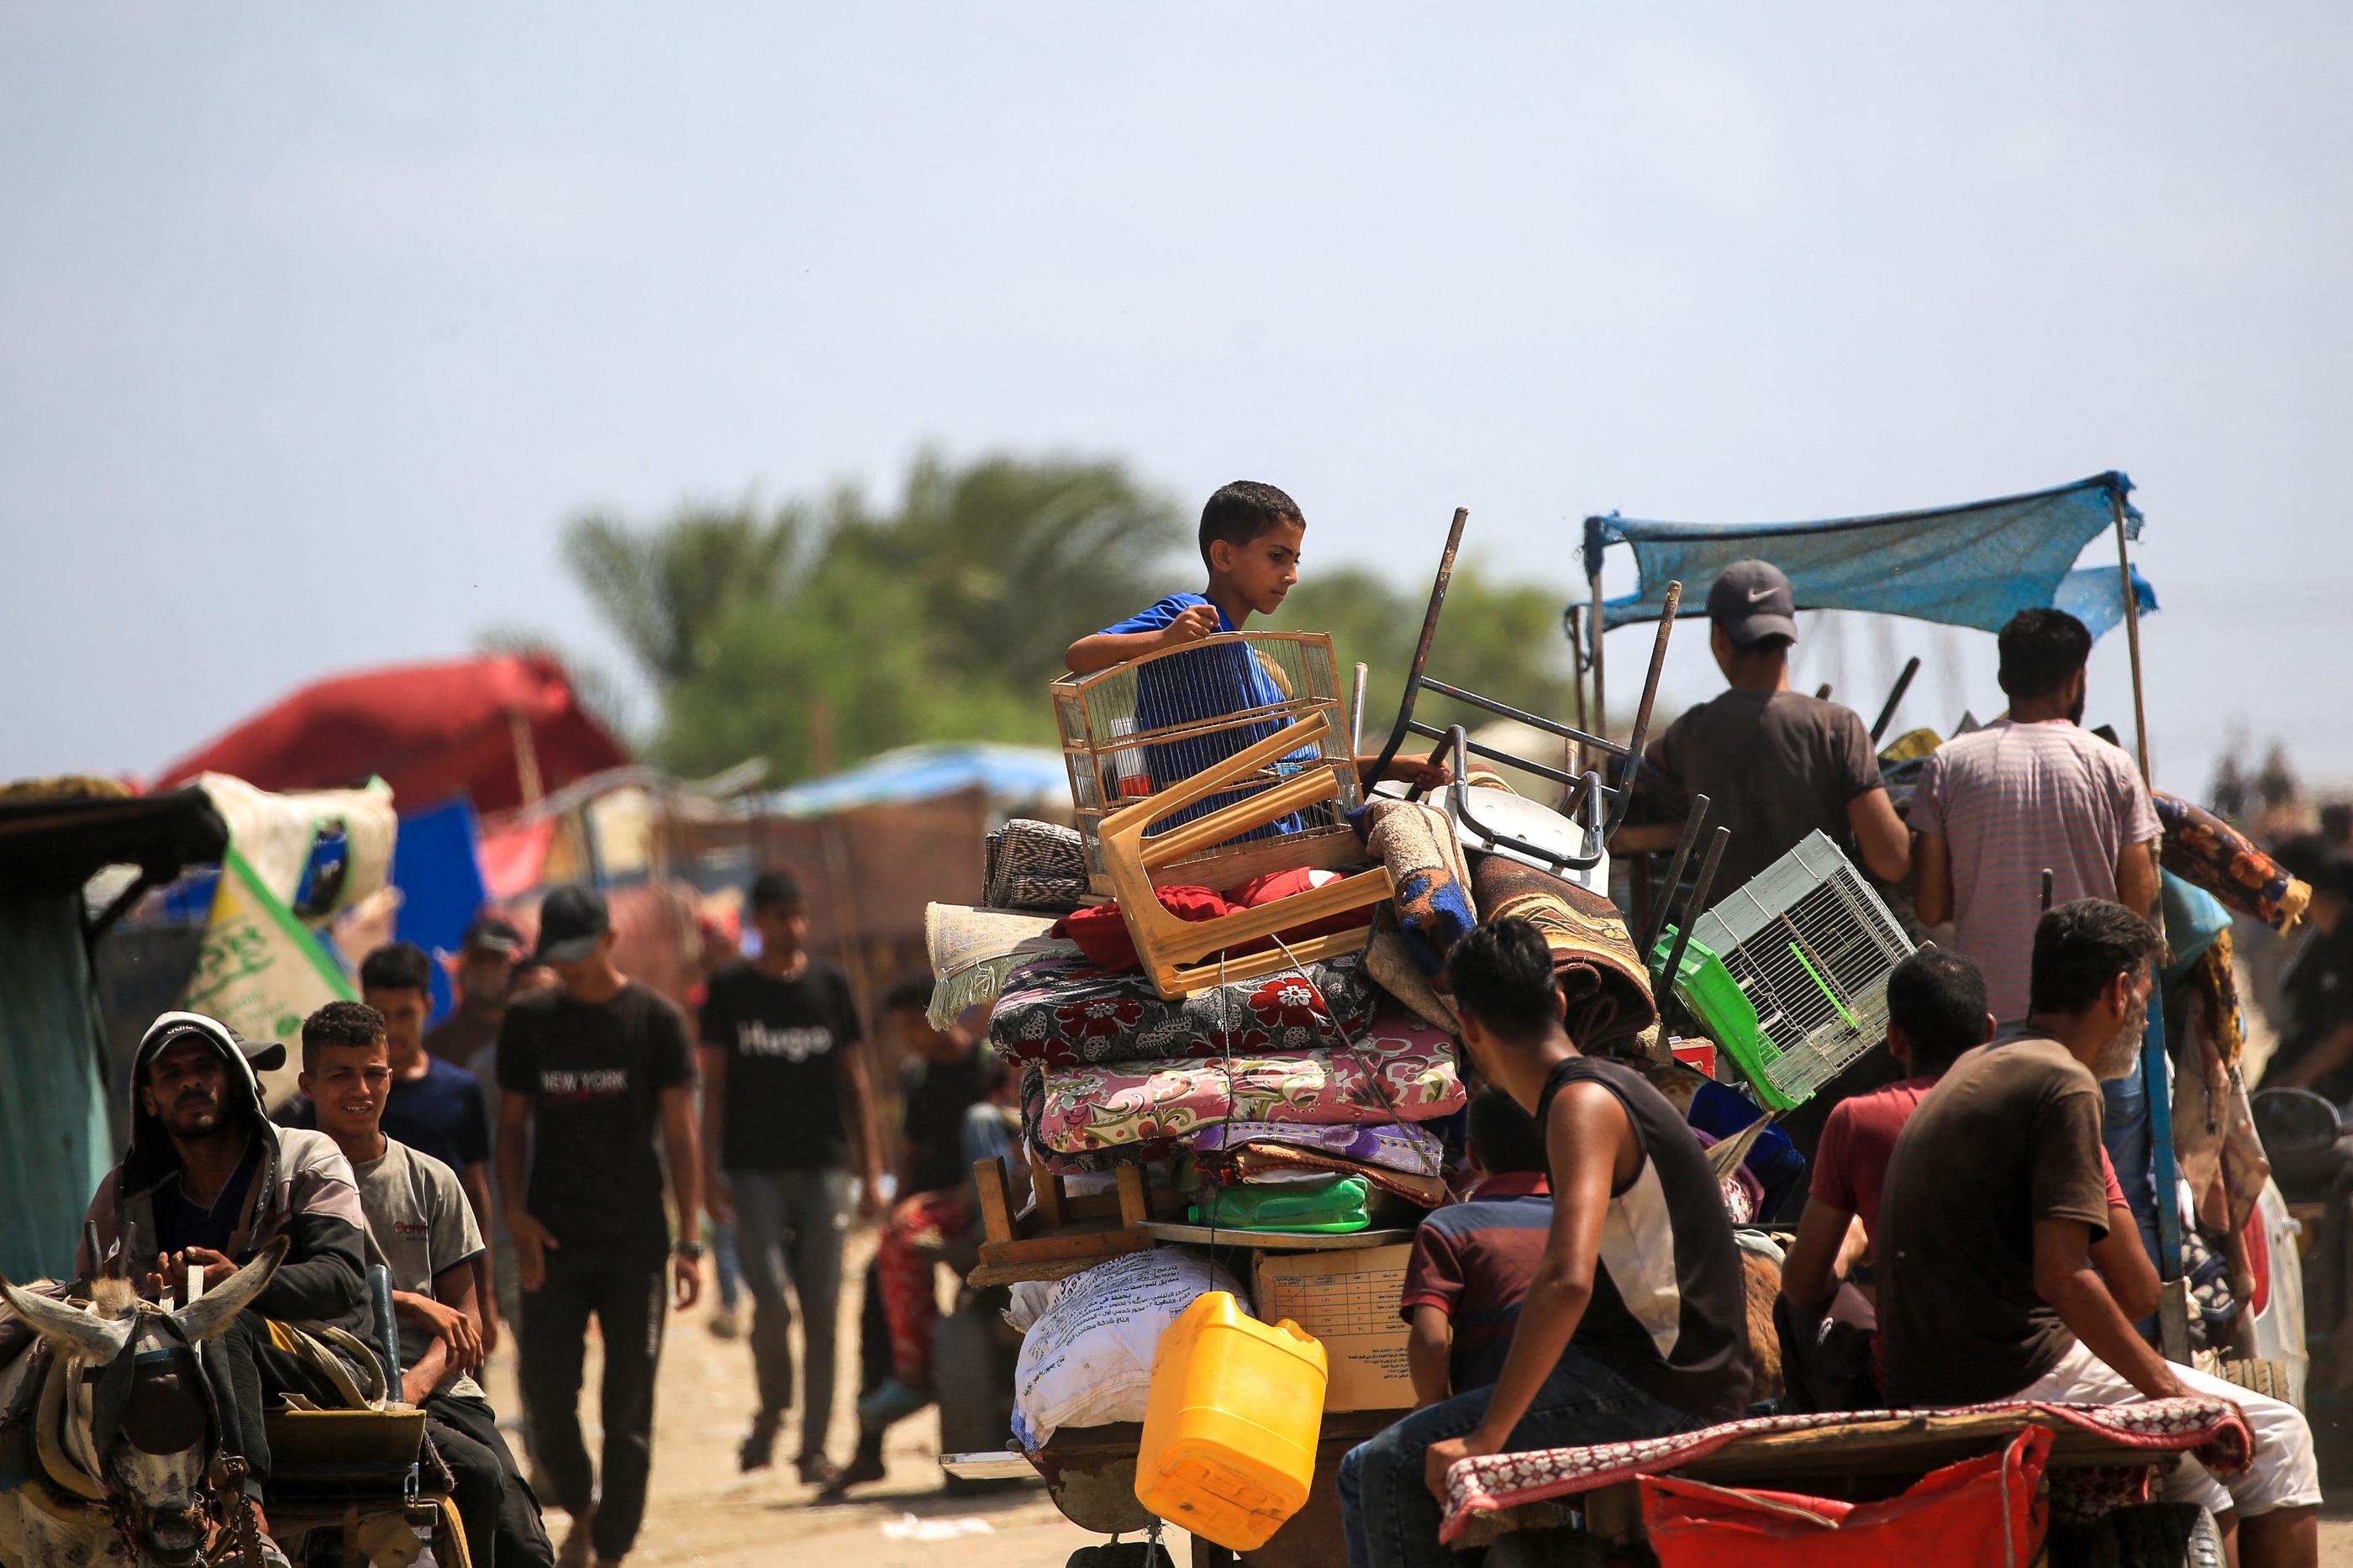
(2258, 1377)
(1122, 1555)
(2144, 1535)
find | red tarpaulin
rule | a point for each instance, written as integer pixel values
(430, 730)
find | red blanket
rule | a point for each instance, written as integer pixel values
(1101, 931)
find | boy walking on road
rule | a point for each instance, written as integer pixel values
(785, 1103)
(588, 1072)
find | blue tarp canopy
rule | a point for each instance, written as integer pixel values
(1974, 565)
(919, 773)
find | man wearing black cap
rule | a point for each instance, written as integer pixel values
(485, 970)
(209, 1181)
(1776, 764)
(786, 1100)
(587, 1072)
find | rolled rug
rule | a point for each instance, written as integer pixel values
(973, 951)
(1609, 991)
(1423, 853)
(2208, 852)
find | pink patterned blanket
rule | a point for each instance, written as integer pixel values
(1398, 1069)
(2208, 1429)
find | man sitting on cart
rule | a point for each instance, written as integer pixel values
(208, 1182)
(1633, 1323)
(420, 1227)
(1994, 1198)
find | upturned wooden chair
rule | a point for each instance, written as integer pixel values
(1171, 948)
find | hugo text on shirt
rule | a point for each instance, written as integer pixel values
(797, 1043)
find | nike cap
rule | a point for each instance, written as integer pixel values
(1752, 600)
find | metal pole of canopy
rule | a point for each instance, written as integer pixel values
(2157, 1083)
(1577, 669)
(1600, 708)
(2132, 634)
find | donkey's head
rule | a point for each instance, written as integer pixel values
(130, 1412)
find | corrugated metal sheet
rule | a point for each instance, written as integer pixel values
(55, 1142)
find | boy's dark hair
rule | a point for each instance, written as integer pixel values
(1938, 999)
(1501, 974)
(397, 966)
(2080, 947)
(2041, 650)
(340, 1023)
(911, 992)
(1242, 510)
(1506, 1137)
(770, 889)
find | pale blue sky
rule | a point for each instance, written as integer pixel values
(317, 322)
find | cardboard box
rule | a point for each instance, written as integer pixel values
(1349, 1299)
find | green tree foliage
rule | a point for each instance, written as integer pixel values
(829, 629)
(1500, 639)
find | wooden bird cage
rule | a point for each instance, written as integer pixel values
(1149, 724)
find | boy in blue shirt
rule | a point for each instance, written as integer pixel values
(1249, 537)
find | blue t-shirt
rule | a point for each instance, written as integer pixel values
(1194, 688)
(441, 1114)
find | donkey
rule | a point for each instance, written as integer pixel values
(125, 1431)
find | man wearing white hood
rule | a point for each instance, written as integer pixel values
(208, 1182)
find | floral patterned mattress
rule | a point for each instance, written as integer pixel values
(1398, 1069)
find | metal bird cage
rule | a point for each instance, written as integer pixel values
(1807, 945)
(1150, 723)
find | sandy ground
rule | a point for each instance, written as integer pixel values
(704, 1512)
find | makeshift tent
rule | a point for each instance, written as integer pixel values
(1973, 565)
(438, 868)
(56, 1136)
(499, 729)
(1013, 776)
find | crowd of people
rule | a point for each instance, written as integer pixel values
(1979, 1212)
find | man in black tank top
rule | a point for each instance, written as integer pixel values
(1634, 1325)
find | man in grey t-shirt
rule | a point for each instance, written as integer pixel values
(1775, 763)
(421, 1227)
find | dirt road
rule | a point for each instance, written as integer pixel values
(704, 1512)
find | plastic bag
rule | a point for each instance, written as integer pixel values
(1087, 1360)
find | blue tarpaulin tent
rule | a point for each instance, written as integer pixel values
(1973, 565)
(918, 773)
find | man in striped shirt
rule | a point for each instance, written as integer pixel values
(1995, 808)
(2031, 792)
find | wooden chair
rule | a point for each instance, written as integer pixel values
(1171, 949)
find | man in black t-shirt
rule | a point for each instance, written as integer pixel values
(785, 1102)
(587, 1072)
(1634, 1322)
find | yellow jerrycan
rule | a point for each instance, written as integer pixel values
(1230, 1430)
